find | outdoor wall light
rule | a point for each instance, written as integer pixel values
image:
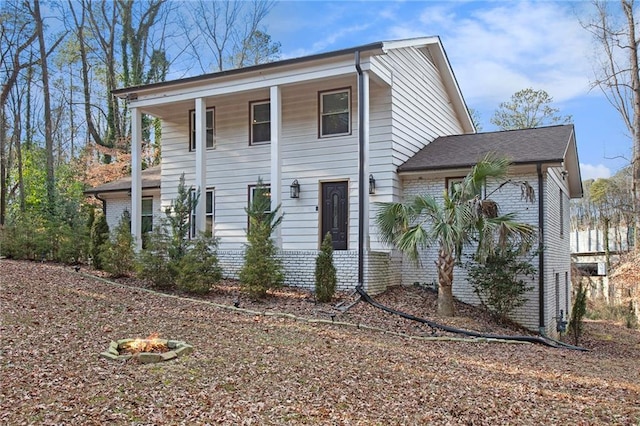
(294, 189)
(372, 185)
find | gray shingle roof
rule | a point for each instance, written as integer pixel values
(542, 144)
(150, 180)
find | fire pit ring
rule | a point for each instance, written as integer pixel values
(174, 349)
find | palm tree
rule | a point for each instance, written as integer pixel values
(462, 219)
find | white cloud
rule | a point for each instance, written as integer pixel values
(501, 48)
(589, 171)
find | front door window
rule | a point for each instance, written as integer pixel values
(335, 213)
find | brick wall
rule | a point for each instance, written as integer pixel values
(509, 199)
(299, 266)
(557, 274)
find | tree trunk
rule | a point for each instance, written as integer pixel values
(635, 122)
(48, 131)
(80, 24)
(445, 266)
(3, 177)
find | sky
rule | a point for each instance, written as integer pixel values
(496, 48)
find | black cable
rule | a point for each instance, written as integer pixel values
(434, 325)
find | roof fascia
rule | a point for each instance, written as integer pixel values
(113, 191)
(410, 42)
(450, 169)
(572, 166)
(246, 82)
(373, 48)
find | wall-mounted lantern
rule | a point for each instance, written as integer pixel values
(294, 189)
(372, 185)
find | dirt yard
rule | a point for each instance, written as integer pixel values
(251, 368)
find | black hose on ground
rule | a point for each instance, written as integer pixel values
(530, 339)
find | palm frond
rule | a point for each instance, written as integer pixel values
(392, 220)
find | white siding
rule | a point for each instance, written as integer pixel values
(557, 259)
(418, 109)
(234, 165)
(118, 202)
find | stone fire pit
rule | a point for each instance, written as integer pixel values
(152, 350)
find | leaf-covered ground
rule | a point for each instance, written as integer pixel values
(257, 369)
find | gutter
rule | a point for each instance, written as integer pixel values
(541, 319)
(361, 177)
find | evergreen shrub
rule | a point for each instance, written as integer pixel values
(325, 272)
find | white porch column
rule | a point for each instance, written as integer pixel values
(136, 178)
(201, 163)
(367, 148)
(276, 156)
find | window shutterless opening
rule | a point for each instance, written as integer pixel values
(210, 129)
(334, 112)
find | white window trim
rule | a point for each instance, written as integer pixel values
(251, 122)
(321, 114)
(192, 123)
(212, 214)
(142, 213)
(252, 190)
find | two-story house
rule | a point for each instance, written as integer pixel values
(330, 135)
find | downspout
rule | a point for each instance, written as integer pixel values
(541, 319)
(361, 177)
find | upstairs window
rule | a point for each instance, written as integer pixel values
(260, 131)
(335, 113)
(209, 129)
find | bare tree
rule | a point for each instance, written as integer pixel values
(17, 34)
(617, 75)
(80, 21)
(228, 30)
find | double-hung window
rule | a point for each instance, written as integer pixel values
(335, 112)
(147, 215)
(264, 192)
(209, 200)
(260, 129)
(261, 195)
(210, 130)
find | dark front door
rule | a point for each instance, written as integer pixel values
(335, 213)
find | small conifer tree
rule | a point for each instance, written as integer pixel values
(166, 245)
(198, 270)
(117, 254)
(99, 235)
(262, 270)
(326, 278)
(578, 311)
(500, 280)
(179, 219)
(153, 263)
